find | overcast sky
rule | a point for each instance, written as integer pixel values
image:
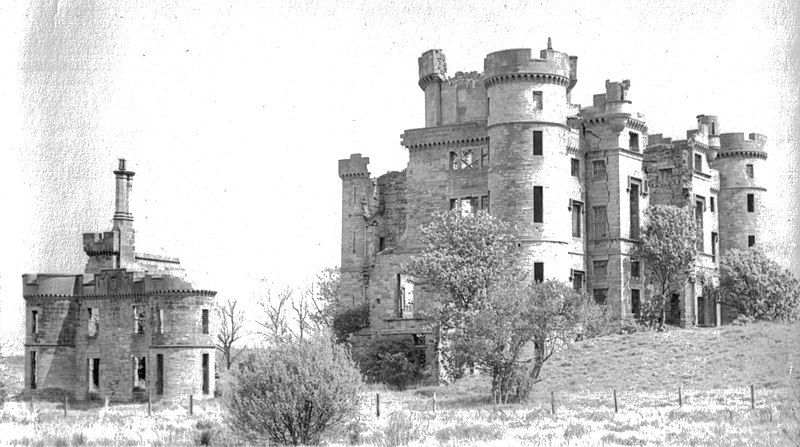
(234, 113)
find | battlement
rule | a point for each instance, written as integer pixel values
(354, 167)
(520, 61)
(735, 144)
(109, 281)
(432, 67)
(104, 242)
(472, 79)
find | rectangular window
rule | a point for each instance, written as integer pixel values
(405, 297)
(600, 269)
(636, 303)
(537, 142)
(538, 271)
(698, 217)
(577, 280)
(636, 268)
(381, 243)
(485, 203)
(467, 160)
(749, 169)
(536, 100)
(93, 374)
(714, 241)
(160, 322)
(751, 203)
(94, 321)
(159, 374)
(698, 162)
(600, 221)
(205, 321)
(33, 370)
(575, 167)
(206, 370)
(634, 210)
(634, 141)
(485, 157)
(751, 240)
(538, 208)
(577, 217)
(598, 170)
(453, 161)
(138, 320)
(600, 296)
(139, 373)
(34, 322)
(713, 204)
(452, 204)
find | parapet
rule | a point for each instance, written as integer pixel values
(552, 65)
(354, 167)
(432, 66)
(107, 282)
(736, 145)
(100, 243)
(51, 284)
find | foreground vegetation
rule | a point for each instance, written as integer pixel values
(714, 367)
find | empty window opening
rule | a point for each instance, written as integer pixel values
(634, 141)
(34, 322)
(453, 204)
(463, 159)
(600, 269)
(714, 242)
(354, 241)
(405, 296)
(536, 100)
(698, 162)
(749, 169)
(600, 296)
(598, 170)
(138, 320)
(698, 217)
(577, 279)
(205, 321)
(139, 373)
(160, 322)
(206, 370)
(538, 208)
(634, 210)
(713, 128)
(577, 218)
(485, 203)
(94, 321)
(575, 167)
(600, 221)
(751, 203)
(381, 243)
(354, 196)
(636, 303)
(751, 240)
(636, 268)
(159, 374)
(419, 340)
(33, 370)
(537, 142)
(538, 271)
(93, 370)
(713, 204)
(485, 157)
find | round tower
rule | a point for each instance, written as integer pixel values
(529, 171)
(432, 72)
(741, 163)
(711, 124)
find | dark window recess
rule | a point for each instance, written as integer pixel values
(600, 269)
(577, 217)
(634, 210)
(34, 321)
(698, 162)
(600, 296)
(205, 321)
(206, 374)
(453, 161)
(636, 303)
(140, 383)
(577, 280)
(33, 370)
(634, 141)
(636, 268)
(138, 320)
(751, 240)
(575, 167)
(749, 170)
(714, 241)
(538, 271)
(538, 214)
(485, 203)
(419, 340)
(751, 203)
(537, 142)
(381, 243)
(452, 204)
(94, 375)
(713, 204)
(698, 217)
(159, 374)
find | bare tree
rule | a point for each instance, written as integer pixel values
(230, 321)
(274, 325)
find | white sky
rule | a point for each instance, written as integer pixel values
(234, 113)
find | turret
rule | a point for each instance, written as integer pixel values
(357, 192)
(432, 72)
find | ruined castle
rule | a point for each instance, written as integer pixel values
(129, 326)
(573, 180)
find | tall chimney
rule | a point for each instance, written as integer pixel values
(123, 219)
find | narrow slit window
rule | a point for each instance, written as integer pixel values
(575, 167)
(633, 138)
(139, 373)
(751, 240)
(138, 319)
(749, 169)
(33, 370)
(577, 217)
(751, 203)
(34, 322)
(94, 321)
(205, 321)
(538, 207)
(636, 303)
(636, 268)
(538, 271)
(537, 142)
(206, 370)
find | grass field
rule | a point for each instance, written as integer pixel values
(713, 367)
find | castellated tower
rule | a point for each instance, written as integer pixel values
(357, 233)
(741, 163)
(531, 149)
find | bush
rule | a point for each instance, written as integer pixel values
(348, 321)
(394, 361)
(596, 320)
(758, 287)
(649, 314)
(293, 393)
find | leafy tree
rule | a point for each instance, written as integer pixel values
(758, 287)
(294, 392)
(668, 247)
(349, 320)
(393, 361)
(230, 321)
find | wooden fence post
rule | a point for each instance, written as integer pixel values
(494, 399)
(65, 406)
(378, 405)
(752, 397)
(680, 397)
(434, 401)
(553, 402)
(106, 402)
(149, 404)
(191, 404)
(616, 410)
(30, 399)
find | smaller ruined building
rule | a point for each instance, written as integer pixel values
(128, 326)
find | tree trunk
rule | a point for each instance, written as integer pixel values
(525, 384)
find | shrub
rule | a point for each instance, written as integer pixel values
(758, 287)
(596, 320)
(348, 321)
(293, 393)
(649, 314)
(394, 361)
